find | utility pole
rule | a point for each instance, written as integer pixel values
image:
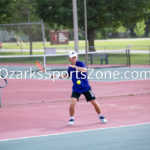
(75, 24)
(86, 37)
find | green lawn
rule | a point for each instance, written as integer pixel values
(113, 59)
(137, 44)
(19, 53)
(140, 59)
(124, 42)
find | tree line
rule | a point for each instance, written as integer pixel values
(105, 18)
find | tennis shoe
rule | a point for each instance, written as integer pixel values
(71, 122)
(103, 119)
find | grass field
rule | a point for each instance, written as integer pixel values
(136, 44)
(116, 59)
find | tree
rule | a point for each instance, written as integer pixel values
(147, 20)
(100, 14)
(147, 28)
(23, 11)
(140, 29)
(5, 13)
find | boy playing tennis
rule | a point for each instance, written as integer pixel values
(78, 71)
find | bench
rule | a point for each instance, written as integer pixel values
(98, 56)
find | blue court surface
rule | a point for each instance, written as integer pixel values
(131, 137)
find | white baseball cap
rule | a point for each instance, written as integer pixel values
(72, 54)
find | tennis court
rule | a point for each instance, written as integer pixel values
(34, 116)
(40, 40)
(35, 108)
(123, 137)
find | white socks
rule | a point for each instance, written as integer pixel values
(99, 115)
(72, 117)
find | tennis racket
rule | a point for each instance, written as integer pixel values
(39, 66)
(3, 82)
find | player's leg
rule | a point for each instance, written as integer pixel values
(90, 97)
(72, 106)
(96, 106)
(74, 97)
(97, 109)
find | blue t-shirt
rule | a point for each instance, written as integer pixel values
(78, 75)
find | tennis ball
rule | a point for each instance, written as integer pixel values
(78, 81)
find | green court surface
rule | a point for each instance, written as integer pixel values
(131, 137)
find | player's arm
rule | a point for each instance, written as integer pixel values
(82, 69)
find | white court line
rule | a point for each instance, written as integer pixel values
(80, 131)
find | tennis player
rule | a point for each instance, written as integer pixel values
(78, 71)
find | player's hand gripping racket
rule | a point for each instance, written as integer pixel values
(3, 82)
(40, 66)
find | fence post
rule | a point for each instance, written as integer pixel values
(128, 55)
(43, 38)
